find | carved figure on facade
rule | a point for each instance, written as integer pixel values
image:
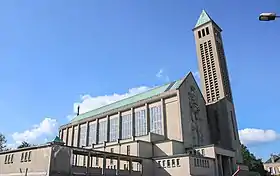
(197, 135)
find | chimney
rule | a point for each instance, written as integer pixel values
(272, 158)
(78, 110)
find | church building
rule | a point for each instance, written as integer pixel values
(171, 130)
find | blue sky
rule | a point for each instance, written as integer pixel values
(57, 53)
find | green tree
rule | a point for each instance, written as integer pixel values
(3, 142)
(24, 144)
(254, 164)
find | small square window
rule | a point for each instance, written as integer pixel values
(163, 163)
(178, 162)
(173, 163)
(168, 163)
(159, 163)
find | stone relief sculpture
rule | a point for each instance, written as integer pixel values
(197, 135)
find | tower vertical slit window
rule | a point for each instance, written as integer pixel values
(207, 31)
(199, 34)
(203, 32)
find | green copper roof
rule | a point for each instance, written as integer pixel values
(130, 100)
(203, 18)
(56, 140)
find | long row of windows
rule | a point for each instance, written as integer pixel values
(169, 163)
(114, 124)
(25, 157)
(198, 162)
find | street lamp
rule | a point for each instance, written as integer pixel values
(268, 16)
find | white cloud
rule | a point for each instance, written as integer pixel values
(88, 102)
(256, 136)
(11, 146)
(46, 128)
(161, 75)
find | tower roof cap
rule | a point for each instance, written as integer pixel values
(203, 18)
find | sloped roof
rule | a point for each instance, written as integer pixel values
(130, 100)
(276, 159)
(57, 140)
(203, 18)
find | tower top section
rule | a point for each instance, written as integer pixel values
(203, 18)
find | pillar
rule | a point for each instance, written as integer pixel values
(147, 114)
(120, 125)
(230, 165)
(130, 166)
(118, 166)
(221, 164)
(67, 131)
(164, 121)
(217, 165)
(72, 137)
(133, 123)
(104, 165)
(88, 163)
(78, 136)
(87, 134)
(108, 128)
(97, 131)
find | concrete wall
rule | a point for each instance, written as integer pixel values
(223, 125)
(173, 119)
(168, 148)
(201, 166)
(187, 117)
(61, 163)
(36, 164)
(272, 167)
(184, 165)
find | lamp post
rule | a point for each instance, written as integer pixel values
(268, 16)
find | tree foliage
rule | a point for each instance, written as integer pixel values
(254, 164)
(24, 144)
(3, 142)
